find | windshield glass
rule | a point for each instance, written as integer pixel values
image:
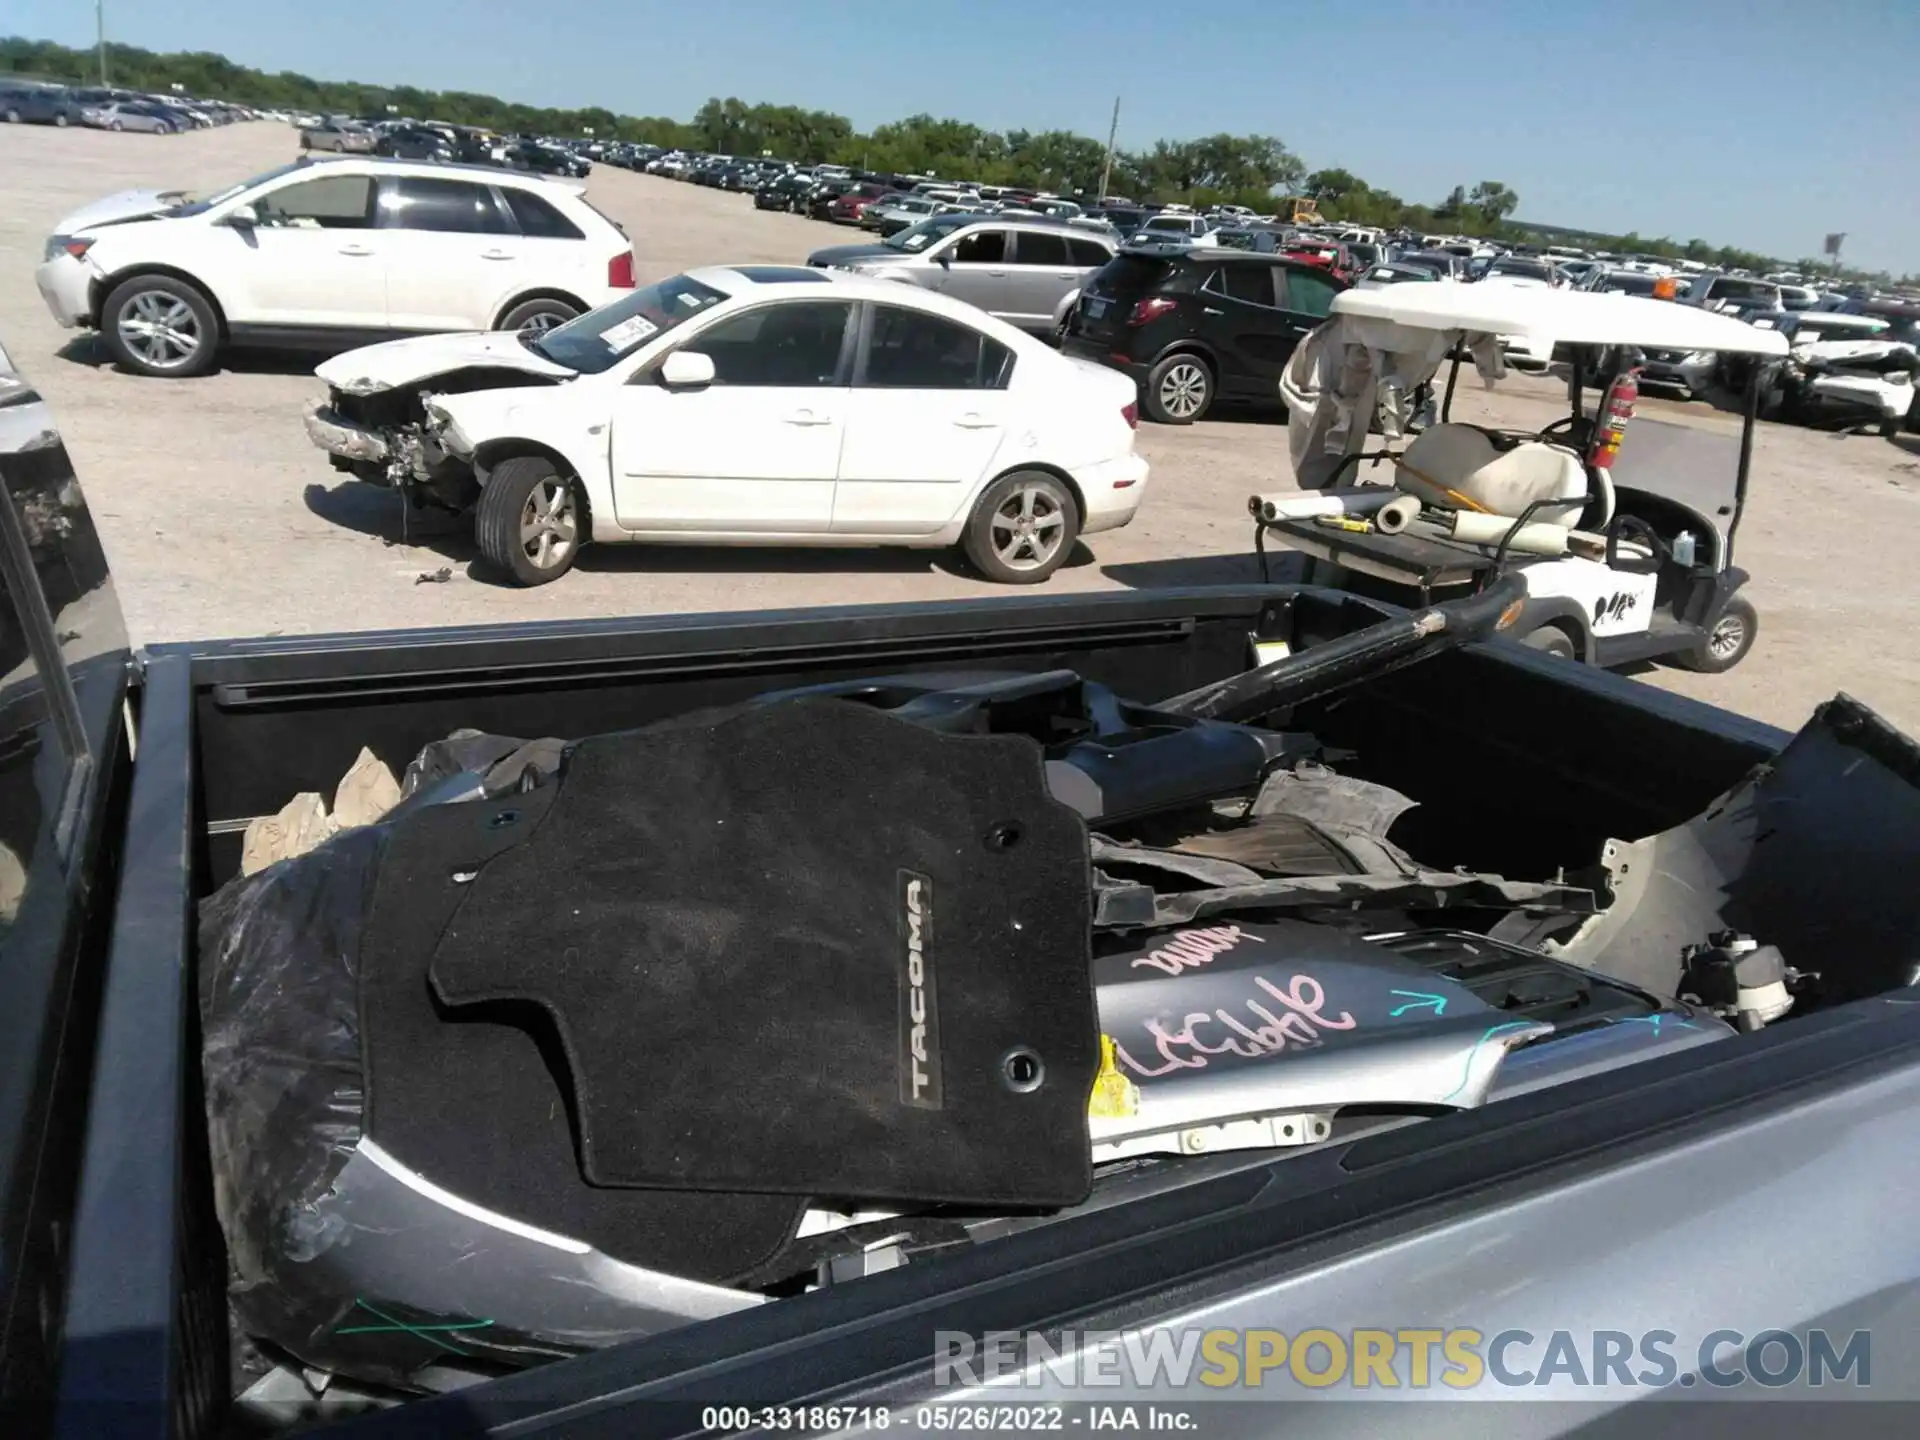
(197, 207)
(919, 237)
(601, 338)
(1628, 282)
(1521, 269)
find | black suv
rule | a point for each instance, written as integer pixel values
(1193, 326)
(782, 192)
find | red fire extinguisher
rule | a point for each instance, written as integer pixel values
(1616, 409)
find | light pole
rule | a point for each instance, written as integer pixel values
(1113, 133)
(100, 35)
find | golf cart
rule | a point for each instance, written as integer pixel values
(1615, 573)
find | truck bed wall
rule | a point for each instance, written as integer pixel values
(1522, 764)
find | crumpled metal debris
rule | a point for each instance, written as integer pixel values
(1313, 837)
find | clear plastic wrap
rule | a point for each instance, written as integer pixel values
(281, 1060)
(280, 1064)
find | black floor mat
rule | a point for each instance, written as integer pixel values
(805, 948)
(471, 1102)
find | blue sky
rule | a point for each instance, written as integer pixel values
(1762, 123)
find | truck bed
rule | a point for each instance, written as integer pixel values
(228, 731)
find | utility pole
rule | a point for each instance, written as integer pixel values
(1113, 130)
(100, 32)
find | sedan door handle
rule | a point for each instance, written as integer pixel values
(496, 255)
(1209, 310)
(807, 417)
(355, 250)
(973, 420)
(998, 274)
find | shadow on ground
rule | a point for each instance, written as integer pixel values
(387, 517)
(90, 350)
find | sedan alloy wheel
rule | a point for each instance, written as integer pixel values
(1028, 529)
(550, 525)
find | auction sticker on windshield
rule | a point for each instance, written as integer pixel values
(630, 331)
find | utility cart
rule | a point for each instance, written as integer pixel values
(1615, 572)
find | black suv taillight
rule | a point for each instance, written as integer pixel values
(1146, 311)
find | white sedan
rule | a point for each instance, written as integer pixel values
(748, 405)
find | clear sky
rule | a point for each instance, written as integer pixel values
(1760, 123)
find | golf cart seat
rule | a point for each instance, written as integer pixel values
(1503, 477)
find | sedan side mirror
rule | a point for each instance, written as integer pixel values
(243, 217)
(686, 370)
(944, 260)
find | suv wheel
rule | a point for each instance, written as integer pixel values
(157, 325)
(1178, 391)
(528, 520)
(533, 317)
(1023, 528)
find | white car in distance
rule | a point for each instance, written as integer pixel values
(329, 254)
(750, 405)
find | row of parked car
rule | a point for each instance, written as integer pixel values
(437, 140)
(32, 102)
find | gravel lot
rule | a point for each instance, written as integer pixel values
(222, 520)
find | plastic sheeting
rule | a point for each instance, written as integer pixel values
(280, 1056)
(1354, 359)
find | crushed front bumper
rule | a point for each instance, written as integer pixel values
(341, 437)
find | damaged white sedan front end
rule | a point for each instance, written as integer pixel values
(380, 422)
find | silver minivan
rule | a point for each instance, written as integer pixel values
(1019, 271)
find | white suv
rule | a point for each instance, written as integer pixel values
(329, 254)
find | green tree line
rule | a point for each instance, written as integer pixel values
(1248, 170)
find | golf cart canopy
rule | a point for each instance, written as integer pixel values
(1573, 317)
(1356, 373)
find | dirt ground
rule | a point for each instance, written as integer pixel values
(221, 520)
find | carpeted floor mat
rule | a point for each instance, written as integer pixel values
(804, 948)
(471, 1100)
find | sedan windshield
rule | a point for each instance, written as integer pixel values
(602, 338)
(919, 237)
(1521, 269)
(1628, 282)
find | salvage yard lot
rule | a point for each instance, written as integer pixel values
(221, 520)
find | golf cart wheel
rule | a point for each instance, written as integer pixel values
(1729, 640)
(1023, 528)
(1551, 640)
(157, 325)
(537, 316)
(1178, 390)
(530, 521)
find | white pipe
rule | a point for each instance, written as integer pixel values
(1533, 538)
(1311, 504)
(1397, 514)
